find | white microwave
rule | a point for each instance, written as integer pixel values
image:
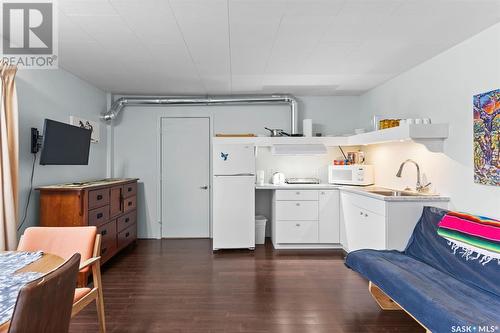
(357, 174)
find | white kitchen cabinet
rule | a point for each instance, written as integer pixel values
(329, 217)
(298, 232)
(364, 228)
(373, 223)
(297, 210)
(305, 219)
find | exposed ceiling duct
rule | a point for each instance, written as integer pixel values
(123, 102)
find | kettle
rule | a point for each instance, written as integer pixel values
(278, 178)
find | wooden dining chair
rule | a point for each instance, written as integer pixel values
(44, 305)
(63, 241)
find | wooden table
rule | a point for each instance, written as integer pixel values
(45, 264)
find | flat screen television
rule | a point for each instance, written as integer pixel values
(64, 144)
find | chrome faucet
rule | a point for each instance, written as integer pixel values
(419, 187)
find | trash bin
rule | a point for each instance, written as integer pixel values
(260, 229)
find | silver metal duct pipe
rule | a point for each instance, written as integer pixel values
(123, 102)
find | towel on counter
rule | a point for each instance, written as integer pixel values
(472, 236)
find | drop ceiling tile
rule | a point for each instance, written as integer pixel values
(248, 60)
(366, 8)
(256, 11)
(152, 22)
(109, 30)
(313, 7)
(306, 90)
(71, 32)
(352, 29)
(246, 83)
(86, 8)
(329, 58)
(258, 35)
(217, 84)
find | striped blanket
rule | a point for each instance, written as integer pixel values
(474, 237)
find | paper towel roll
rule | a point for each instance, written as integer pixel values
(307, 127)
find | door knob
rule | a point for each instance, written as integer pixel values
(204, 187)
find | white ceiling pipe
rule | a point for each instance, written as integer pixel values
(123, 102)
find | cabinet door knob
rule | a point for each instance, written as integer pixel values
(297, 204)
(366, 215)
(361, 213)
(297, 225)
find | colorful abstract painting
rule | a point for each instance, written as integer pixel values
(487, 138)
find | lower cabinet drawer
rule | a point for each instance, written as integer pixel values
(297, 231)
(107, 231)
(99, 216)
(297, 210)
(296, 195)
(126, 220)
(108, 239)
(108, 249)
(127, 236)
(129, 204)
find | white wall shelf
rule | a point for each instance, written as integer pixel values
(266, 141)
(430, 135)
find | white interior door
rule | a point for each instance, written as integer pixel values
(185, 170)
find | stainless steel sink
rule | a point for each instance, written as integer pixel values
(390, 193)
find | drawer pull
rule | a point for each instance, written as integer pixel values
(104, 232)
(298, 193)
(366, 215)
(129, 203)
(99, 197)
(129, 189)
(127, 234)
(297, 225)
(126, 220)
(99, 215)
(361, 213)
(104, 250)
(297, 204)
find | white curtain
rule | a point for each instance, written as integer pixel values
(9, 158)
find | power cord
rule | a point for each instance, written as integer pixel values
(29, 194)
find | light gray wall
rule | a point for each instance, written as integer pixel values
(135, 146)
(55, 94)
(442, 89)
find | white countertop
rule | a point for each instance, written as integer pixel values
(366, 191)
(354, 189)
(297, 187)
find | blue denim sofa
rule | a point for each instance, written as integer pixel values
(444, 291)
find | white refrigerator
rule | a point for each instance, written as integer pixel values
(233, 196)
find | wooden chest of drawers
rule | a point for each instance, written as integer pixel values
(108, 204)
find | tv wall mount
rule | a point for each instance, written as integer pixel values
(36, 140)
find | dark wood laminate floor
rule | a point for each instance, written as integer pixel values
(181, 286)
